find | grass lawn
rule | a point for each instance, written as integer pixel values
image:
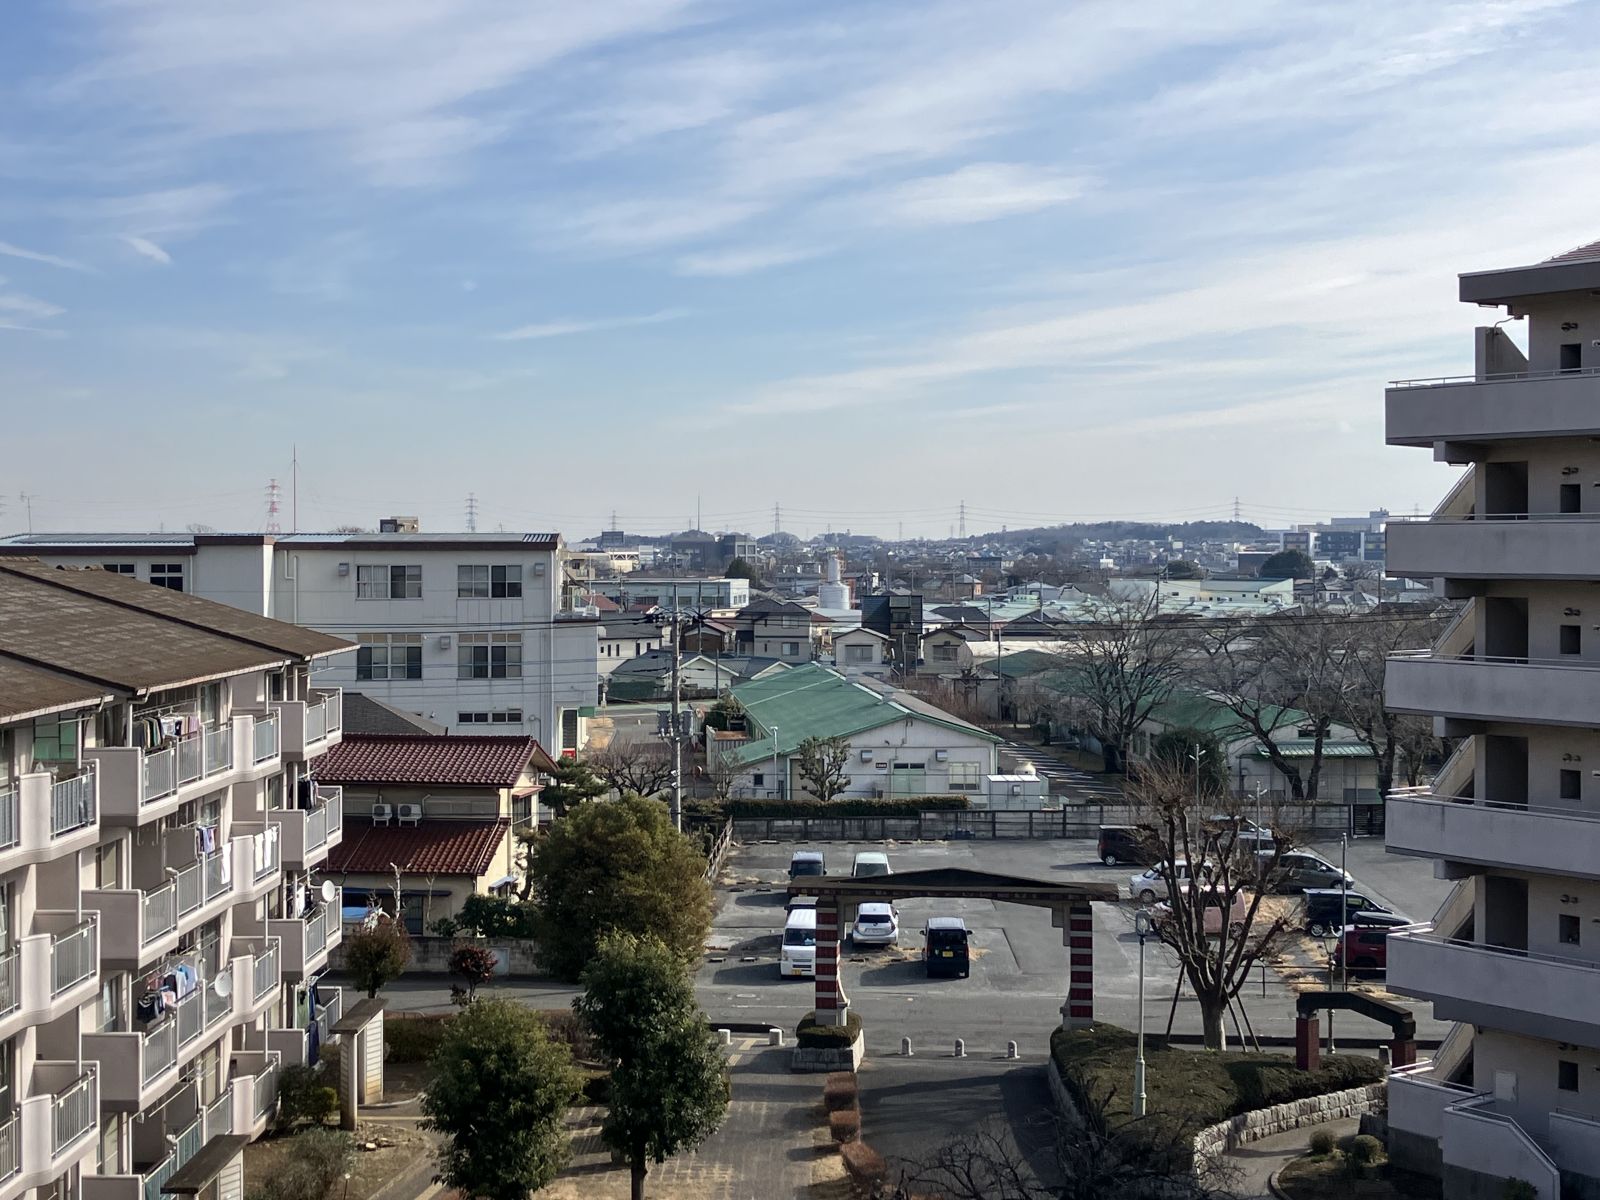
(1188, 1089)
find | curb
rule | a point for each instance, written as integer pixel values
(1274, 1187)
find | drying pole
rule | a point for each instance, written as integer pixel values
(674, 731)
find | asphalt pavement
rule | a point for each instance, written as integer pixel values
(1066, 779)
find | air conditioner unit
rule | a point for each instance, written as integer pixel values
(382, 814)
(444, 641)
(940, 755)
(344, 568)
(866, 756)
(409, 814)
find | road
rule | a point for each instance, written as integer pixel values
(1065, 779)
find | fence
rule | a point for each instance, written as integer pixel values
(75, 1111)
(74, 957)
(72, 803)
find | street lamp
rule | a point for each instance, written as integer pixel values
(1143, 926)
(776, 791)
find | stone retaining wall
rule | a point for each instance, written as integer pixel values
(817, 1059)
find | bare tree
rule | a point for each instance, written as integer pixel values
(720, 770)
(1213, 921)
(1126, 663)
(637, 765)
(822, 764)
(1398, 741)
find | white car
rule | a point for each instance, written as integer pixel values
(869, 863)
(1148, 886)
(877, 924)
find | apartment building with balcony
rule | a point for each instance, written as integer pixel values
(1514, 816)
(156, 754)
(465, 629)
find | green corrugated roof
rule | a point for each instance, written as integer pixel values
(1022, 663)
(813, 701)
(1305, 747)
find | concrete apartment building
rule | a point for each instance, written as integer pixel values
(466, 629)
(162, 925)
(1514, 954)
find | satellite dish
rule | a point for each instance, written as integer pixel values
(222, 985)
(330, 891)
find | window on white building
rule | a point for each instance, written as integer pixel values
(944, 653)
(484, 582)
(497, 716)
(389, 656)
(118, 568)
(55, 740)
(489, 656)
(791, 649)
(965, 777)
(375, 582)
(858, 654)
(167, 575)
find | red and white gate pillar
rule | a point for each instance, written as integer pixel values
(1076, 922)
(832, 1004)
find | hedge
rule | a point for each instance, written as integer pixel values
(413, 1039)
(841, 1091)
(844, 1124)
(864, 1164)
(1196, 1088)
(866, 806)
(827, 1037)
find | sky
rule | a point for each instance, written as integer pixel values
(868, 262)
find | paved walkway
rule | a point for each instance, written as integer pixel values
(1258, 1160)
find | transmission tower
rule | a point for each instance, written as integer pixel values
(1236, 508)
(472, 512)
(777, 519)
(963, 518)
(274, 505)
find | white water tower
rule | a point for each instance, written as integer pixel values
(833, 593)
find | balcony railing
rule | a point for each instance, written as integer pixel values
(191, 1018)
(74, 956)
(219, 749)
(1489, 377)
(217, 1007)
(219, 1115)
(158, 1051)
(158, 913)
(316, 722)
(266, 1088)
(265, 975)
(10, 820)
(264, 739)
(11, 1145)
(214, 880)
(160, 775)
(191, 759)
(75, 1111)
(10, 981)
(72, 803)
(189, 1141)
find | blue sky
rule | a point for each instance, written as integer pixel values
(864, 260)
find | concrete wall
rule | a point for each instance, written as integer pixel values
(1533, 1062)
(1479, 411)
(1494, 691)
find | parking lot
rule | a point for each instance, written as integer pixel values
(1019, 967)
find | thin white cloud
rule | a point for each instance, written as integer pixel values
(742, 261)
(145, 248)
(53, 260)
(565, 328)
(27, 306)
(984, 191)
(170, 212)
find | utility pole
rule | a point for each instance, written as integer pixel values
(675, 730)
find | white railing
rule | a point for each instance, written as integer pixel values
(316, 933)
(1490, 377)
(74, 956)
(75, 1111)
(1495, 1144)
(328, 1016)
(266, 1087)
(190, 889)
(1423, 933)
(191, 1018)
(266, 852)
(316, 722)
(265, 976)
(158, 1050)
(333, 707)
(264, 739)
(158, 913)
(1496, 520)
(216, 1007)
(10, 1146)
(10, 979)
(213, 875)
(159, 775)
(190, 1139)
(10, 820)
(191, 759)
(219, 749)
(219, 1116)
(72, 803)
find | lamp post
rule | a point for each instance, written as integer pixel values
(1142, 927)
(776, 791)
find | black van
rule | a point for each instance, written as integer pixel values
(944, 947)
(1323, 908)
(1126, 844)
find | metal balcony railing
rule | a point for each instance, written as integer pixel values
(213, 875)
(219, 1116)
(264, 739)
(158, 913)
(267, 853)
(191, 759)
(158, 1051)
(265, 970)
(316, 933)
(219, 749)
(10, 1145)
(10, 981)
(75, 1111)
(160, 774)
(316, 722)
(190, 1138)
(217, 1008)
(10, 820)
(1490, 377)
(74, 956)
(266, 1087)
(72, 803)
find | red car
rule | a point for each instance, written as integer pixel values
(1367, 947)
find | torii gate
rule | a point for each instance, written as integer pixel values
(838, 895)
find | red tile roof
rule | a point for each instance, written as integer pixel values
(428, 848)
(463, 760)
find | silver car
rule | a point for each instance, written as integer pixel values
(877, 924)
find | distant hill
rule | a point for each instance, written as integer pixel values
(1054, 539)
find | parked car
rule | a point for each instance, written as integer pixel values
(1323, 910)
(1297, 870)
(795, 902)
(1147, 885)
(877, 924)
(945, 949)
(1126, 844)
(1238, 910)
(1250, 836)
(807, 862)
(798, 955)
(1365, 947)
(869, 863)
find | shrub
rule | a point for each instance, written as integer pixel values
(1518, 1189)
(320, 1159)
(495, 917)
(865, 1165)
(562, 1025)
(475, 964)
(827, 1037)
(848, 806)
(1321, 1142)
(414, 1039)
(1365, 1150)
(845, 1124)
(305, 1097)
(841, 1091)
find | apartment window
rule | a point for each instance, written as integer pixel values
(791, 649)
(109, 1011)
(1571, 498)
(472, 718)
(758, 780)
(55, 740)
(389, 656)
(108, 865)
(389, 583)
(1572, 356)
(1571, 784)
(944, 654)
(488, 582)
(965, 777)
(1572, 639)
(118, 568)
(489, 656)
(522, 810)
(498, 716)
(1570, 929)
(858, 654)
(510, 716)
(167, 575)
(1566, 1075)
(569, 729)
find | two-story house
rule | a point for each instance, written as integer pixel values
(771, 628)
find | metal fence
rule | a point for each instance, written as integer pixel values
(266, 970)
(72, 803)
(160, 913)
(219, 749)
(10, 993)
(10, 823)
(75, 1111)
(10, 1146)
(74, 956)
(264, 739)
(160, 775)
(158, 1050)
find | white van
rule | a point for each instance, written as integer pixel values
(869, 863)
(799, 953)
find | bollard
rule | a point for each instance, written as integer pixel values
(905, 1047)
(961, 1048)
(726, 1035)
(1011, 1050)
(774, 1037)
